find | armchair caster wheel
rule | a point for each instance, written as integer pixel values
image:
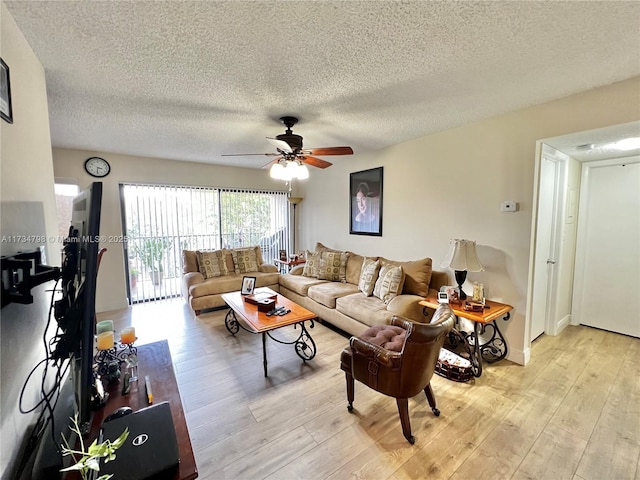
(350, 408)
(436, 412)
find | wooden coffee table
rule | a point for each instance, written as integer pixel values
(254, 321)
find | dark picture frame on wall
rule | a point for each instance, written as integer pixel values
(5, 93)
(365, 202)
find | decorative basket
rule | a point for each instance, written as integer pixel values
(452, 366)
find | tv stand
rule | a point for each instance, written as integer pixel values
(154, 360)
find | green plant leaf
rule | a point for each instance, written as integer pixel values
(90, 459)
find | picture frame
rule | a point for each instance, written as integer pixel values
(6, 111)
(283, 255)
(365, 202)
(248, 285)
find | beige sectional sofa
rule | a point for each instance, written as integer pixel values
(343, 303)
(207, 275)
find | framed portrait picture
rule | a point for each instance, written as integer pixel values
(248, 284)
(5, 93)
(365, 202)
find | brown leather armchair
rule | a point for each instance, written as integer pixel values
(398, 360)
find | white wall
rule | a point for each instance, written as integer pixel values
(26, 177)
(69, 164)
(450, 185)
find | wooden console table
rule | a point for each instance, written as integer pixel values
(154, 360)
(493, 349)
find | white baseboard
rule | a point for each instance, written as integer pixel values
(563, 323)
(520, 357)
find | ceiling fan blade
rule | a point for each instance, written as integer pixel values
(248, 154)
(275, 160)
(281, 145)
(313, 161)
(331, 151)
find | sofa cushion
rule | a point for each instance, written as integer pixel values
(417, 275)
(299, 283)
(389, 283)
(323, 248)
(354, 267)
(230, 283)
(368, 276)
(189, 261)
(245, 260)
(367, 310)
(312, 265)
(327, 293)
(212, 264)
(333, 266)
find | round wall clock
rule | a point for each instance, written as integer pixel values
(97, 167)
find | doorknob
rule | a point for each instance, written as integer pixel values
(551, 262)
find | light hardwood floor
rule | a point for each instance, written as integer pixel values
(572, 413)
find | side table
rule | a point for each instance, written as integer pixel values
(285, 265)
(495, 348)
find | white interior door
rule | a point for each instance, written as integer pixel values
(607, 277)
(544, 266)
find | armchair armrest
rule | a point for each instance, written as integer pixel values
(402, 323)
(377, 354)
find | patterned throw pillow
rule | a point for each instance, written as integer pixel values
(333, 266)
(245, 260)
(312, 265)
(389, 283)
(212, 264)
(368, 276)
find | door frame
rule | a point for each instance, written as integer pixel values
(544, 151)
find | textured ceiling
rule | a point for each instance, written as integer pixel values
(193, 80)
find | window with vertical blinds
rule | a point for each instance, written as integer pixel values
(162, 220)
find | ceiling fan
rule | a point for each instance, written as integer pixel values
(292, 156)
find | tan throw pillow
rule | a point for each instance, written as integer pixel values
(417, 275)
(333, 266)
(212, 264)
(245, 260)
(389, 283)
(312, 265)
(368, 276)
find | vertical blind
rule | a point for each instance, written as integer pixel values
(162, 220)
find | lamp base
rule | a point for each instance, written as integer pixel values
(461, 276)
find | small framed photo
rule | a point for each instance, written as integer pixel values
(248, 284)
(283, 255)
(365, 202)
(5, 93)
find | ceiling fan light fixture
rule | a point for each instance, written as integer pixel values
(303, 172)
(289, 170)
(277, 171)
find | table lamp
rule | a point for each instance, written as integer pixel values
(463, 258)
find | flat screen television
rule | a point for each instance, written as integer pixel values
(86, 221)
(75, 314)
